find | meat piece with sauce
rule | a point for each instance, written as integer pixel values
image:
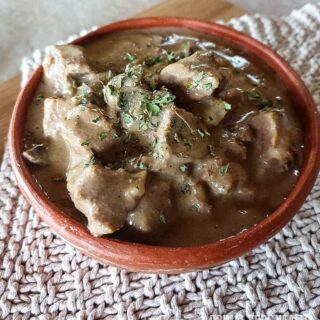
(180, 133)
(196, 76)
(85, 131)
(63, 65)
(273, 140)
(223, 177)
(105, 196)
(154, 210)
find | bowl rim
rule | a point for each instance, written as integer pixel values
(149, 258)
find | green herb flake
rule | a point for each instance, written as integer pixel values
(196, 81)
(195, 208)
(207, 86)
(253, 95)
(201, 132)
(102, 135)
(121, 101)
(81, 99)
(183, 167)
(186, 48)
(130, 57)
(39, 98)
(224, 169)
(152, 108)
(227, 106)
(142, 166)
(186, 188)
(152, 61)
(90, 162)
(165, 99)
(172, 57)
(113, 90)
(153, 144)
(96, 120)
(126, 118)
(162, 217)
(85, 142)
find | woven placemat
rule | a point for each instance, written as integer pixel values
(42, 277)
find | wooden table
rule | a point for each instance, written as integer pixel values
(198, 9)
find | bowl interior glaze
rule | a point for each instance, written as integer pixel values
(159, 259)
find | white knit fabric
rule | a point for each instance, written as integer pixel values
(42, 277)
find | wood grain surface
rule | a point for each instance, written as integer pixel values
(196, 9)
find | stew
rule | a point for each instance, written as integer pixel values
(163, 136)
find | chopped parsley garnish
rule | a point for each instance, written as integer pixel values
(90, 162)
(142, 166)
(126, 118)
(102, 135)
(153, 143)
(201, 132)
(143, 123)
(162, 217)
(207, 86)
(264, 103)
(165, 99)
(82, 99)
(186, 48)
(86, 142)
(224, 169)
(130, 57)
(183, 167)
(195, 208)
(171, 56)
(227, 106)
(121, 101)
(113, 90)
(253, 95)
(39, 97)
(196, 81)
(96, 120)
(152, 61)
(274, 106)
(186, 188)
(136, 162)
(153, 106)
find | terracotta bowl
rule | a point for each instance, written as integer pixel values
(159, 259)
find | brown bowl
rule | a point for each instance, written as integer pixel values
(159, 259)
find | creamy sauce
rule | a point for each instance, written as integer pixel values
(244, 72)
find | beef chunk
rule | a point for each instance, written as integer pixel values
(112, 91)
(272, 139)
(211, 110)
(62, 65)
(90, 189)
(152, 212)
(195, 76)
(222, 177)
(78, 125)
(180, 133)
(191, 198)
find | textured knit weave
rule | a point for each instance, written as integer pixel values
(42, 277)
